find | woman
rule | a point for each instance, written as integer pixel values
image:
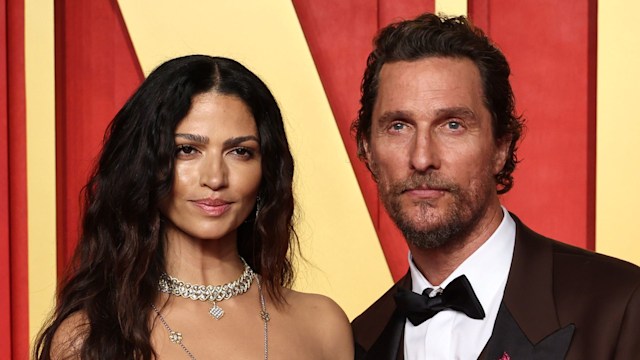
(193, 187)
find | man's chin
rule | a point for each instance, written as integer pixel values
(418, 224)
(424, 204)
(429, 234)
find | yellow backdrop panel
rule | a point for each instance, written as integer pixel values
(451, 7)
(343, 256)
(41, 159)
(618, 173)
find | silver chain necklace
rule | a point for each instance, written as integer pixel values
(176, 337)
(214, 293)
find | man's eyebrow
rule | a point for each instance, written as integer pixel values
(235, 141)
(394, 115)
(456, 111)
(200, 139)
(459, 112)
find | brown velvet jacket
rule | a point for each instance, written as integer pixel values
(560, 302)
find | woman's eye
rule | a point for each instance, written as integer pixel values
(242, 152)
(185, 150)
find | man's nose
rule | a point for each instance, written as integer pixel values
(424, 154)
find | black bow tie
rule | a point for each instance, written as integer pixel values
(458, 295)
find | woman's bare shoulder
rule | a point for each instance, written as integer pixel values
(69, 337)
(325, 317)
(313, 304)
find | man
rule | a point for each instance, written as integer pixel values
(438, 132)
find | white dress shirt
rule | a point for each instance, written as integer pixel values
(451, 334)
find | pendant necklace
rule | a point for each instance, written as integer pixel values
(176, 337)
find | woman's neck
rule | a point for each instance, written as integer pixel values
(198, 261)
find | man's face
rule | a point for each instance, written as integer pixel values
(432, 150)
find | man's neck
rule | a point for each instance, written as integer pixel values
(437, 264)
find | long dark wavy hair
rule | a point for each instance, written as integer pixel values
(430, 35)
(114, 275)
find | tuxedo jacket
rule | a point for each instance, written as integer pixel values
(560, 302)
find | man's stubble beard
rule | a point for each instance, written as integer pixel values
(460, 218)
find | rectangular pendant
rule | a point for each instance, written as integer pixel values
(216, 311)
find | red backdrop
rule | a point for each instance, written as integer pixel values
(96, 72)
(551, 47)
(14, 326)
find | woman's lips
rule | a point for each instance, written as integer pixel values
(213, 207)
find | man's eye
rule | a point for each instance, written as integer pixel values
(398, 126)
(453, 125)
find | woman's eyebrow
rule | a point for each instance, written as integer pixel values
(234, 141)
(200, 139)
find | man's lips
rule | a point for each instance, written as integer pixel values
(425, 193)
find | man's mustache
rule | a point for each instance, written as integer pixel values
(428, 180)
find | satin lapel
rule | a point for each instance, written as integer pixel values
(527, 321)
(389, 344)
(510, 342)
(529, 291)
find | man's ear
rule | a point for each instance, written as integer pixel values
(367, 158)
(366, 153)
(502, 154)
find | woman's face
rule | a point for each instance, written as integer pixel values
(217, 169)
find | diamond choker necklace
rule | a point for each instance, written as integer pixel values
(213, 293)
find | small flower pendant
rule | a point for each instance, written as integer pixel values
(264, 316)
(175, 337)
